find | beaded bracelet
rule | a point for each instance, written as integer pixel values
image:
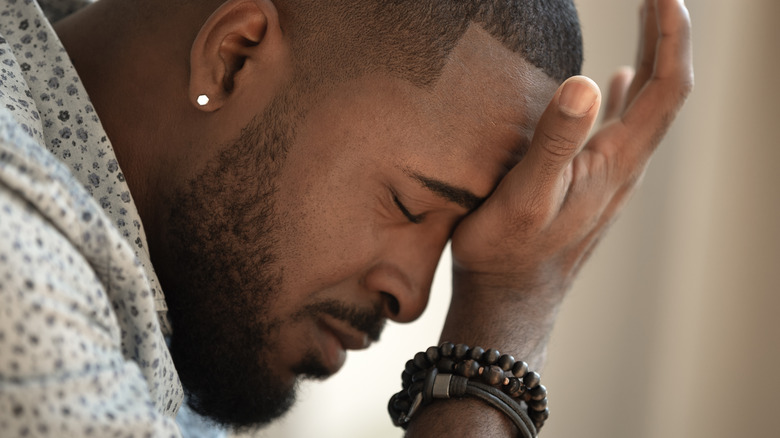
(454, 371)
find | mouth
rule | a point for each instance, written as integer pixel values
(336, 337)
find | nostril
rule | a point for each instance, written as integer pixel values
(391, 303)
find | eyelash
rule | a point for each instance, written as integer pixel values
(415, 219)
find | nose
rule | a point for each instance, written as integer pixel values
(404, 272)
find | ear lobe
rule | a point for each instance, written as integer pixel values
(226, 40)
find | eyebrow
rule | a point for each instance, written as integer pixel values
(448, 192)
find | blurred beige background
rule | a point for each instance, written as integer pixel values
(672, 328)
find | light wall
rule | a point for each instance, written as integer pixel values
(672, 328)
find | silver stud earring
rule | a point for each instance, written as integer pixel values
(203, 100)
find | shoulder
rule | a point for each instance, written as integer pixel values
(75, 336)
(47, 284)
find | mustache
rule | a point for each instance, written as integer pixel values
(369, 321)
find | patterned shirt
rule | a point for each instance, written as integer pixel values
(82, 318)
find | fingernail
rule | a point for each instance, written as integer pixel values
(577, 97)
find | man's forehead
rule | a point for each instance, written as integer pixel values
(492, 97)
(494, 78)
(469, 129)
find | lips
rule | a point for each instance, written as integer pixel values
(350, 338)
(336, 337)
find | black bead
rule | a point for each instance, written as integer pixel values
(421, 361)
(538, 392)
(410, 367)
(490, 357)
(539, 417)
(446, 348)
(419, 376)
(468, 368)
(476, 353)
(445, 365)
(519, 369)
(391, 406)
(432, 353)
(531, 379)
(514, 388)
(493, 375)
(402, 405)
(460, 351)
(538, 405)
(506, 362)
(406, 379)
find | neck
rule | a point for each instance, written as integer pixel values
(136, 80)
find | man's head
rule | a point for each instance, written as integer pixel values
(412, 39)
(310, 199)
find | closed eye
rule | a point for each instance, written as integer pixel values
(415, 219)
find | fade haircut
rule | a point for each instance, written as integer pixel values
(411, 39)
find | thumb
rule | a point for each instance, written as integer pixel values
(562, 130)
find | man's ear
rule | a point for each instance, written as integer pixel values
(238, 31)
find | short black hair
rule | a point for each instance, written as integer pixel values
(412, 39)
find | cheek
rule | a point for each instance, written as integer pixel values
(327, 233)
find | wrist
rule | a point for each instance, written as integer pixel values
(537, 284)
(459, 371)
(460, 418)
(486, 310)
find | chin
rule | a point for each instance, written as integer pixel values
(238, 387)
(235, 397)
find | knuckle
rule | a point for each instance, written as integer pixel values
(611, 163)
(605, 145)
(687, 83)
(557, 145)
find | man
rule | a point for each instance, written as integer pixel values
(297, 168)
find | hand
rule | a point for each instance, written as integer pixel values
(514, 258)
(547, 214)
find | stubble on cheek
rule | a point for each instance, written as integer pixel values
(221, 282)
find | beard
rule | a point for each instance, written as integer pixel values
(216, 292)
(221, 275)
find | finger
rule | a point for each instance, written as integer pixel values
(559, 135)
(674, 45)
(649, 116)
(618, 90)
(648, 40)
(607, 214)
(594, 203)
(630, 142)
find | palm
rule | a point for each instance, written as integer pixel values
(549, 211)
